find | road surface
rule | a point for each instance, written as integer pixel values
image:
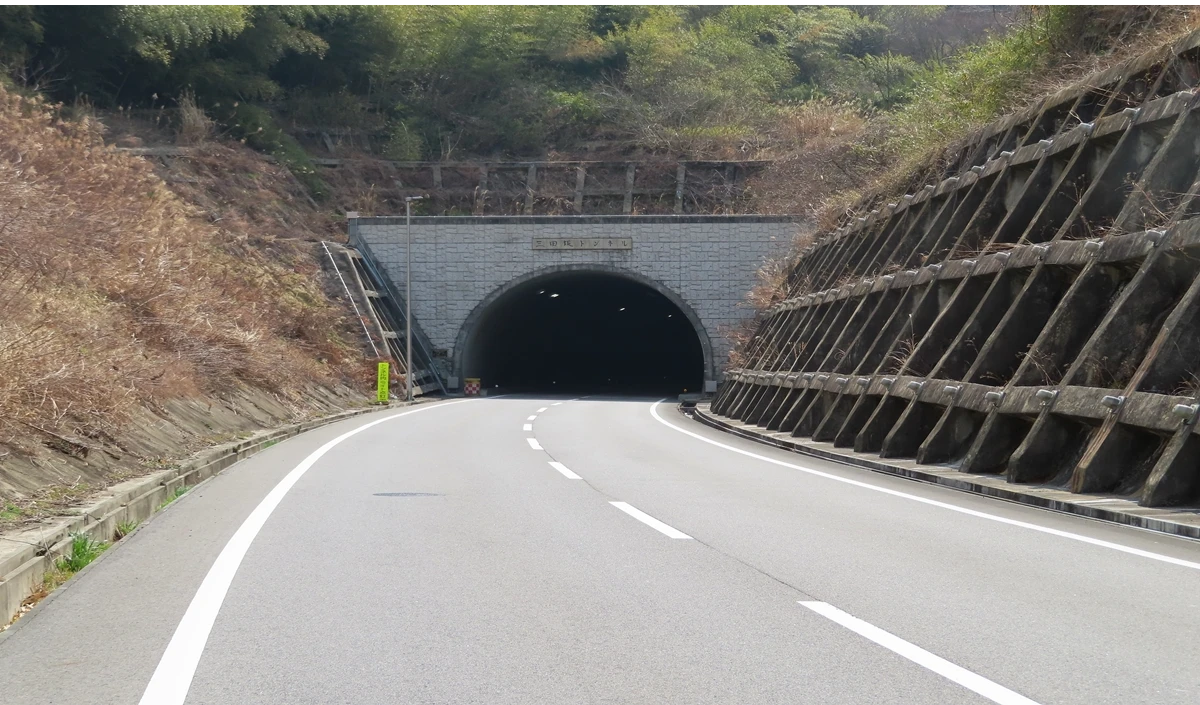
(533, 550)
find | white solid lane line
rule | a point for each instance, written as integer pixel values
(534, 444)
(173, 677)
(650, 521)
(527, 427)
(563, 469)
(531, 418)
(933, 502)
(967, 679)
(542, 409)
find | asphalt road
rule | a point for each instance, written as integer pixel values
(604, 551)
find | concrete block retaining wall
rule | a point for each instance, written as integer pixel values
(1033, 314)
(21, 570)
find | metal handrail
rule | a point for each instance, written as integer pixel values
(395, 307)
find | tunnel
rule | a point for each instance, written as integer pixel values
(584, 331)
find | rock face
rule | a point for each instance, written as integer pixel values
(1035, 313)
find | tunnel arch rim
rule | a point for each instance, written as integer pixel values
(479, 311)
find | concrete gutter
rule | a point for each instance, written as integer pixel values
(133, 501)
(1112, 508)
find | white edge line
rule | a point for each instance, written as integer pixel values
(933, 502)
(542, 409)
(650, 521)
(534, 444)
(563, 469)
(967, 679)
(173, 677)
(527, 427)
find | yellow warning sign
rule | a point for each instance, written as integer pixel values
(381, 383)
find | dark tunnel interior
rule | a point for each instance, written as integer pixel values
(585, 332)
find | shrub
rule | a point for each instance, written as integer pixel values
(195, 127)
(84, 550)
(403, 144)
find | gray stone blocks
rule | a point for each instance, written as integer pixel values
(707, 262)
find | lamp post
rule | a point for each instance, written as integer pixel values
(408, 360)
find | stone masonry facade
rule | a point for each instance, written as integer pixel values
(707, 263)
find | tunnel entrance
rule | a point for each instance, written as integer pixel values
(584, 332)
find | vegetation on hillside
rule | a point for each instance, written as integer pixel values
(117, 294)
(836, 96)
(444, 81)
(837, 152)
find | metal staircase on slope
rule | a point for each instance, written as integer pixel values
(385, 307)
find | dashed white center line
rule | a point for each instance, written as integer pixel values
(563, 469)
(556, 403)
(542, 409)
(650, 521)
(534, 444)
(967, 679)
(527, 427)
(531, 418)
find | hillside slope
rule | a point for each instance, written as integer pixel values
(143, 318)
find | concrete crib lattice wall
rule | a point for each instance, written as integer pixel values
(705, 264)
(1036, 313)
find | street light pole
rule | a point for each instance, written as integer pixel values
(408, 359)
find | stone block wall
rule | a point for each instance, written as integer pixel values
(704, 263)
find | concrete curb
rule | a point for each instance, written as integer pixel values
(991, 486)
(137, 501)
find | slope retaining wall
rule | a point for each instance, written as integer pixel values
(1035, 313)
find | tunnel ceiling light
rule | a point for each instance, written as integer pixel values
(541, 291)
(554, 296)
(621, 309)
(669, 315)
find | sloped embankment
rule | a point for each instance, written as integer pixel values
(138, 323)
(1033, 313)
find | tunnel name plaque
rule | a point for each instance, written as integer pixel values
(583, 243)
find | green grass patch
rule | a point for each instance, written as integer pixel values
(179, 492)
(10, 512)
(84, 550)
(124, 529)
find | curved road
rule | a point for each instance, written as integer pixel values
(521, 550)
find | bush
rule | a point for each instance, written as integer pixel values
(257, 128)
(195, 127)
(403, 144)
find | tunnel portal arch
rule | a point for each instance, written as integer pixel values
(468, 357)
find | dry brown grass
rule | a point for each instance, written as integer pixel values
(240, 192)
(739, 337)
(817, 152)
(116, 293)
(194, 126)
(771, 287)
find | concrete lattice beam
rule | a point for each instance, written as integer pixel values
(1032, 312)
